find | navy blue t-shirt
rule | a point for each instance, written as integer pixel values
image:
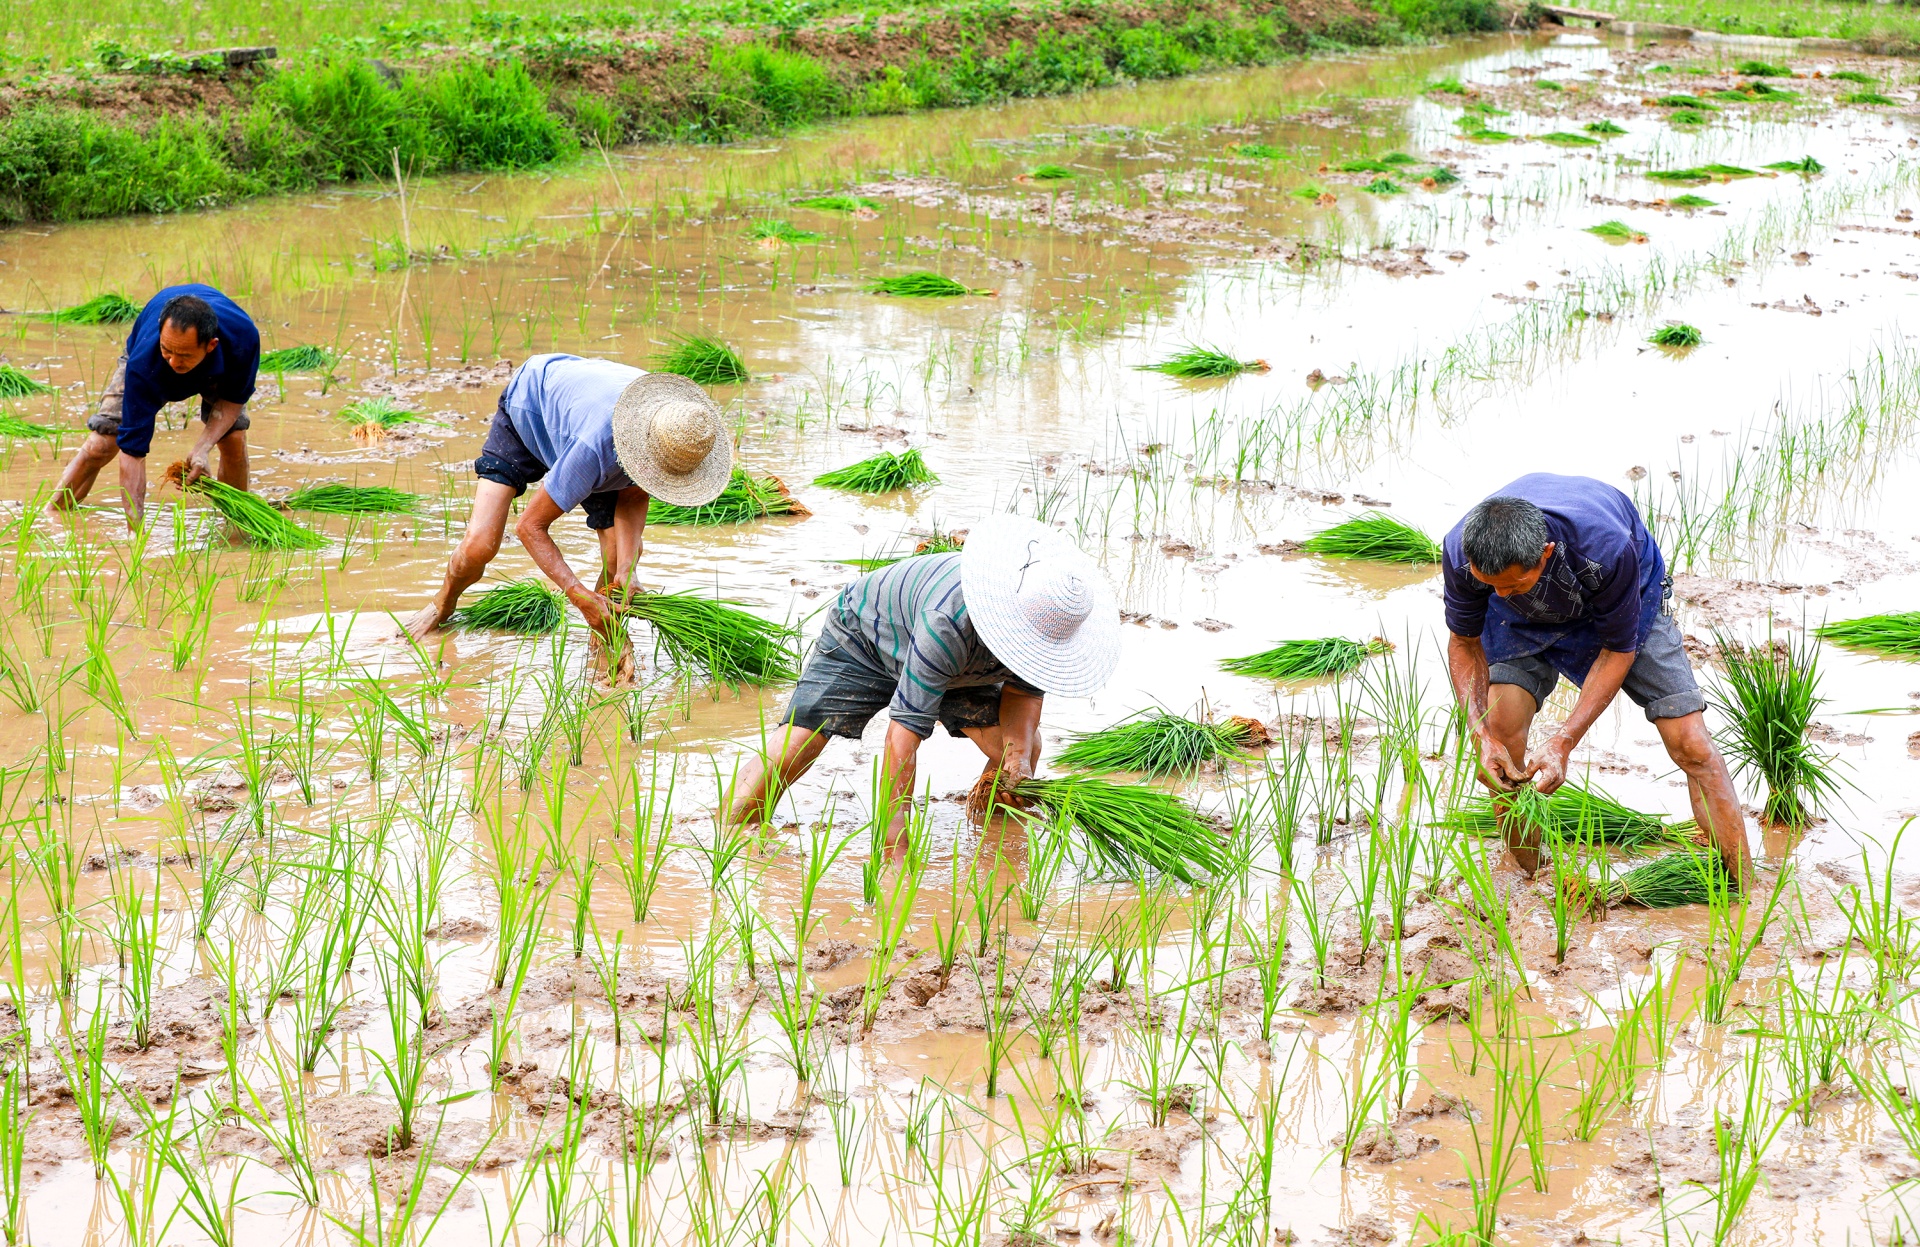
(1605, 579)
(227, 373)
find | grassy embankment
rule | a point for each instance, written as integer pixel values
(89, 128)
(1876, 27)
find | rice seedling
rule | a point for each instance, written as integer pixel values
(1604, 127)
(1875, 98)
(1384, 186)
(1667, 882)
(16, 1118)
(1486, 134)
(1051, 173)
(529, 607)
(1689, 117)
(17, 384)
(838, 203)
(83, 1065)
(1313, 191)
(13, 426)
(1571, 811)
(1157, 743)
(1676, 336)
(1307, 659)
(353, 500)
(1199, 363)
(1616, 231)
(1806, 164)
(1690, 202)
(715, 638)
(882, 473)
(297, 359)
(1877, 920)
(776, 231)
(1715, 172)
(259, 521)
(746, 497)
(101, 309)
(1897, 633)
(1769, 695)
(1566, 138)
(921, 286)
(1762, 69)
(704, 361)
(1683, 101)
(1376, 537)
(1853, 75)
(652, 827)
(1439, 176)
(372, 419)
(1129, 829)
(1259, 151)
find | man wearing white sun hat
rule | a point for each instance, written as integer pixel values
(598, 435)
(971, 641)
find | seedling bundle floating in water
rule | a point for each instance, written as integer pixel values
(880, 474)
(1377, 537)
(1702, 173)
(1199, 362)
(17, 384)
(1052, 173)
(101, 309)
(779, 232)
(1677, 336)
(1566, 138)
(838, 203)
(703, 361)
(1130, 829)
(371, 419)
(1307, 659)
(1897, 633)
(922, 286)
(258, 520)
(719, 640)
(353, 500)
(746, 497)
(1384, 164)
(297, 359)
(1616, 231)
(1158, 744)
(1604, 127)
(1806, 164)
(529, 607)
(1573, 812)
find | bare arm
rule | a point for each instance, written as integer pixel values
(1020, 732)
(1467, 667)
(133, 487)
(533, 530)
(1547, 765)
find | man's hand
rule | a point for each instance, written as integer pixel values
(1547, 765)
(197, 465)
(1498, 770)
(595, 609)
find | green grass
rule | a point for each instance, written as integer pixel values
(1051, 173)
(883, 473)
(1762, 69)
(101, 309)
(1806, 164)
(1617, 230)
(1854, 75)
(1701, 173)
(1159, 744)
(1897, 634)
(1604, 127)
(719, 640)
(837, 203)
(1376, 537)
(921, 286)
(1566, 138)
(1130, 829)
(1306, 659)
(1869, 97)
(530, 607)
(1260, 151)
(297, 359)
(17, 384)
(745, 498)
(1194, 363)
(1385, 186)
(1691, 201)
(1768, 697)
(353, 500)
(1677, 336)
(780, 231)
(259, 521)
(1572, 812)
(703, 361)
(13, 426)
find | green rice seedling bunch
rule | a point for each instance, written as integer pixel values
(921, 286)
(1769, 696)
(1667, 882)
(883, 473)
(1853, 75)
(1762, 69)
(1051, 173)
(1889, 634)
(101, 309)
(1486, 134)
(258, 520)
(1313, 191)
(1688, 117)
(1566, 138)
(17, 384)
(1702, 173)
(1157, 743)
(1384, 164)
(1377, 537)
(1198, 362)
(1875, 98)
(1682, 101)
(776, 231)
(1572, 812)
(746, 497)
(529, 607)
(1619, 230)
(1448, 86)
(1691, 201)
(1440, 175)
(13, 426)
(353, 500)
(1677, 336)
(838, 203)
(1130, 829)
(1806, 164)
(1307, 659)
(703, 361)
(1604, 127)
(1260, 151)
(371, 419)
(719, 639)
(1384, 186)
(297, 359)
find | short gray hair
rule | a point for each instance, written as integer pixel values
(1504, 532)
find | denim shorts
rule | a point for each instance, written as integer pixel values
(505, 460)
(106, 420)
(1660, 681)
(840, 691)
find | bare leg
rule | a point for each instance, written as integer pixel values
(77, 478)
(233, 458)
(1510, 712)
(1716, 806)
(470, 558)
(761, 784)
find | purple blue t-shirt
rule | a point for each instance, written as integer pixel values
(562, 408)
(227, 372)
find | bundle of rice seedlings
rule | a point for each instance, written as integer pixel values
(1756, 92)
(1440, 175)
(1384, 186)
(1307, 659)
(1483, 134)
(1769, 696)
(1259, 151)
(1313, 191)
(1684, 878)
(703, 361)
(1377, 537)
(297, 359)
(1199, 362)
(1682, 101)
(773, 231)
(1677, 335)
(1691, 201)
(720, 640)
(1130, 829)
(17, 384)
(1701, 173)
(883, 473)
(1157, 743)
(1567, 138)
(353, 500)
(1572, 812)
(838, 203)
(13, 426)
(530, 607)
(1383, 164)
(1617, 230)
(1869, 97)
(746, 497)
(1688, 117)
(1889, 634)
(1604, 127)
(1853, 75)
(1762, 69)
(371, 419)
(1448, 86)
(1806, 164)
(258, 520)
(101, 309)
(921, 286)
(1051, 173)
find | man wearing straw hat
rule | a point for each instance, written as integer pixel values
(971, 641)
(597, 435)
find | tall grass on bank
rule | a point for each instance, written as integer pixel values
(1129, 829)
(102, 309)
(1307, 659)
(703, 361)
(1377, 537)
(882, 473)
(529, 607)
(746, 497)
(1158, 743)
(1769, 695)
(261, 523)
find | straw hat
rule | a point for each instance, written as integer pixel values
(1044, 608)
(671, 440)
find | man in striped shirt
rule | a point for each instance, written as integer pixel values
(913, 639)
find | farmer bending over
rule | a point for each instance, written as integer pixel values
(188, 341)
(605, 437)
(971, 641)
(1558, 575)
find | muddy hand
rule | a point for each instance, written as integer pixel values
(197, 467)
(1498, 770)
(1547, 766)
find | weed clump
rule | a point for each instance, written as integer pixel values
(529, 607)
(17, 384)
(883, 473)
(1889, 634)
(1159, 744)
(921, 286)
(371, 419)
(1769, 697)
(1307, 659)
(717, 639)
(1604, 127)
(746, 497)
(703, 361)
(1677, 336)
(101, 309)
(838, 203)
(775, 231)
(353, 500)
(297, 359)
(1131, 830)
(1618, 231)
(1806, 164)
(256, 519)
(1376, 537)
(1448, 86)
(1194, 363)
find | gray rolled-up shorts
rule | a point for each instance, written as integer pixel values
(839, 692)
(1660, 681)
(106, 421)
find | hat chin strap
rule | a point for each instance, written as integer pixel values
(1054, 602)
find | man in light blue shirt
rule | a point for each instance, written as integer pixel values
(597, 435)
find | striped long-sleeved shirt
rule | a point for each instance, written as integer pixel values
(910, 621)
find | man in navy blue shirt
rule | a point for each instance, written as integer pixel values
(189, 341)
(1558, 576)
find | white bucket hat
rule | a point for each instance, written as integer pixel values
(1044, 608)
(671, 440)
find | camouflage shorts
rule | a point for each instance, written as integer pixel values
(106, 421)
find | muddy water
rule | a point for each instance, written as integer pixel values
(1470, 333)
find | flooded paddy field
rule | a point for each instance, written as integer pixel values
(313, 935)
